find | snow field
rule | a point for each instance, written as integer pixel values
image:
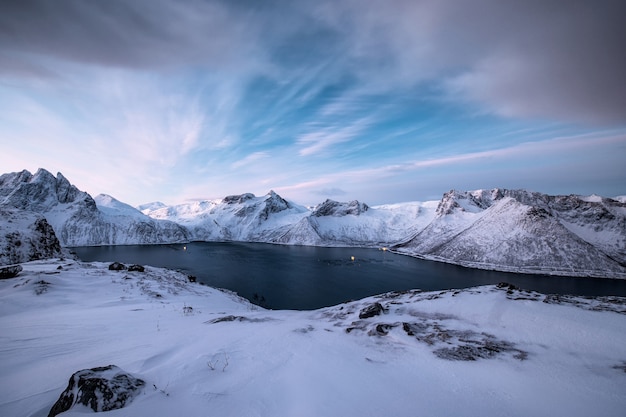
(204, 352)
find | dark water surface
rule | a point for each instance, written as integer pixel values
(304, 278)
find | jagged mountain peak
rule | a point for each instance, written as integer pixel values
(277, 201)
(39, 192)
(76, 218)
(335, 208)
(493, 228)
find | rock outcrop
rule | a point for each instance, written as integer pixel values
(101, 389)
(26, 236)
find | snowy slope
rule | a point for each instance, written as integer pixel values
(486, 351)
(517, 230)
(75, 216)
(130, 226)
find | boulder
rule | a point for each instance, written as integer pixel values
(136, 268)
(117, 266)
(10, 271)
(101, 389)
(371, 311)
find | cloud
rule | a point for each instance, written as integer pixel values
(330, 192)
(567, 64)
(532, 59)
(539, 165)
(319, 140)
(249, 159)
(138, 34)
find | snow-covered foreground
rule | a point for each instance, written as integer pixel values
(486, 351)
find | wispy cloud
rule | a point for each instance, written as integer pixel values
(150, 94)
(319, 140)
(536, 164)
(249, 159)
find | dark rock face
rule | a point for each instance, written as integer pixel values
(26, 236)
(47, 244)
(371, 311)
(136, 268)
(117, 266)
(273, 204)
(334, 208)
(10, 271)
(238, 199)
(101, 389)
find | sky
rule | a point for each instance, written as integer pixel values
(381, 101)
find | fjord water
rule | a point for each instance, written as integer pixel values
(304, 277)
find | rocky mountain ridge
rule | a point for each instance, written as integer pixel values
(75, 216)
(501, 229)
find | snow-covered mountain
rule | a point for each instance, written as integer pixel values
(355, 224)
(510, 230)
(272, 219)
(242, 217)
(76, 217)
(518, 230)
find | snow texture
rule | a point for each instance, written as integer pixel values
(486, 351)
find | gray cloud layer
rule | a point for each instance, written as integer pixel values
(551, 59)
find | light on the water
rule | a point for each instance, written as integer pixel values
(352, 257)
(184, 247)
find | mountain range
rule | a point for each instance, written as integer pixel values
(499, 229)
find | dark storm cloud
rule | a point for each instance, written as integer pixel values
(551, 59)
(132, 34)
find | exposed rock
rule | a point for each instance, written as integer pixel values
(101, 389)
(117, 266)
(334, 208)
(371, 311)
(238, 318)
(26, 236)
(237, 199)
(10, 271)
(486, 350)
(136, 268)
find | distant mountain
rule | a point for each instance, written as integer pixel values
(244, 217)
(500, 229)
(75, 216)
(150, 206)
(355, 224)
(523, 231)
